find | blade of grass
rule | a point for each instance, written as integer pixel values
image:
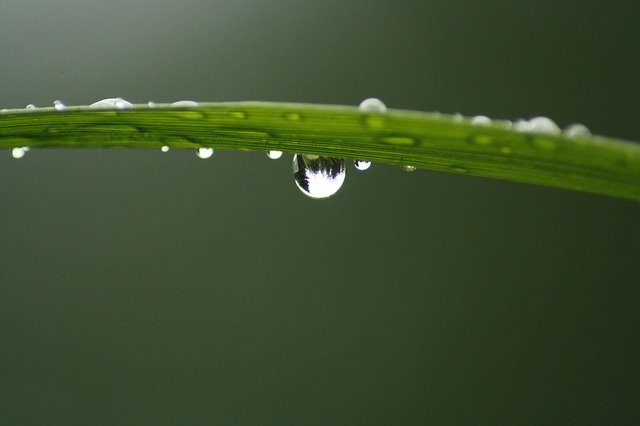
(430, 141)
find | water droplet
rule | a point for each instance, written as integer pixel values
(164, 149)
(362, 164)
(521, 126)
(30, 106)
(3, 110)
(318, 177)
(184, 104)
(151, 104)
(481, 120)
(59, 106)
(19, 152)
(457, 117)
(409, 168)
(111, 103)
(274, 155)
(577, 131)
(543, 125)
(204, 153)
(372, 105)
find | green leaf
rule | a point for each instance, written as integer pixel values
(431, 141)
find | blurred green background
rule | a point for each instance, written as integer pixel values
(140, 287)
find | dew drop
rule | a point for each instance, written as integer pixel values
(19, 152)
(481, 120)
(362, 165)
(274, 155)
(372, 105)
(457, 117)
(30, 106)
(151, 104)
(204, 153)
(165, 148)
(59, 106)
(409, 168)
(577, 131)
(111, 103)
(318, 177)
(543, 125)
(521, 126)
(184, 104)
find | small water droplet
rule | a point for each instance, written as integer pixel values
(543, 125)
(372, 105)
(318, 177)
(59, 106)
(184, 104)
(30, 106)
(274, 155)
(481, 120)
(19, 152)
(151, 104)
(521, 126)
(165, 148)
(457, 117)
(577, 131)
(362, 164)
(111, 103)
(204, 153)
(409, 168)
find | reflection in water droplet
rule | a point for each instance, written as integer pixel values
(481, 120)
(372, 105)
(19, 152)
(274, 155)
(184, 104)
(543, 125)
(577, 131)
(111, 103)
(164, 149)
(318, 177)
(30, 106)
(362, 164)
(409, 168)
(204, 153)
(59, 106)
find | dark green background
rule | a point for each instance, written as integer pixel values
(144, 287)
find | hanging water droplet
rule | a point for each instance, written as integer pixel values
(409, 168)
(318, 177)
(372, 105)
(204, 153)
(19, 152)
(274, 155)
(481, 120)
(164, 149)
(184, 104)
(543, 125)
(59, 106)
(577, 131)
(111, 103)
(362, 164)
(30, 106)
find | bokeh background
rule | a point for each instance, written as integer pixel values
(140, 287)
